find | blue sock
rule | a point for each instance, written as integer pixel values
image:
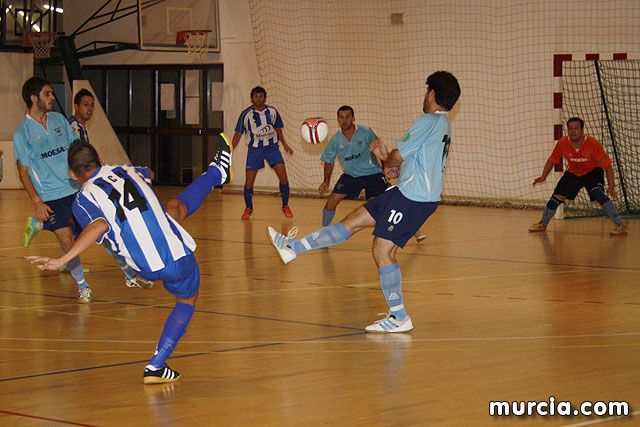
(391, 284)
(284, 191)
(326, 236)
(129, 272)
(327, 217)
(75, 268)
(248, 197)
(174, 329)
(199, 189)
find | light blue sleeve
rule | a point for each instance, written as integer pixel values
(22, 148)
(72, 135)
(417, 135)
(331, 150)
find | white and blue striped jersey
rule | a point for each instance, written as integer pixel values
(356, 158)
(139, 228)
(44, 152)
(424, 151)
(259, 127)
(79, 128)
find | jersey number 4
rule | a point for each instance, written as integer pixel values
(131, 199)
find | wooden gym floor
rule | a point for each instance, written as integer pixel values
(499, 315)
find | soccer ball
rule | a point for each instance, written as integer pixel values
(314, 130)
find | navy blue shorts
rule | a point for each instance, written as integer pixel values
(373, 185)
(181, 278)
(398, 218)
(570, 184)
(62, 213)
(257, 156)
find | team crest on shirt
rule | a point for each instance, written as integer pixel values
(390, 228)
(58, 131)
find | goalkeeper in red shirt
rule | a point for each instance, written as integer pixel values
(587, 165)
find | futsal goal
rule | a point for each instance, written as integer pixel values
(606, 95)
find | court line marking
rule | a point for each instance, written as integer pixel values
(317, 340)
(45, 419)
(173, 357)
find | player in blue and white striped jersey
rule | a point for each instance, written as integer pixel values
(118, 203)
(262, 126)
(418, 161)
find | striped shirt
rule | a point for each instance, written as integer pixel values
(139, 228)
(259, 127)
(79, 128)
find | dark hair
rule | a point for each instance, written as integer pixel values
(259, 89)
(576, 119)
(446, 88)
(346, 108)
(33, 86)
(78, 98)
(82, 157)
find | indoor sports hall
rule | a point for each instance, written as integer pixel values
(510, 326)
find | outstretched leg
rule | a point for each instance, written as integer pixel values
(191, 198)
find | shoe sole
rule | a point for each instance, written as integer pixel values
(421, 239)
(159, 380)
(84, 301)
(537, 231)
(26, 237)
(392, 331)
(230, 177)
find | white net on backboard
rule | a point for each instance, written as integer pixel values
(197, 43)
(41, 42)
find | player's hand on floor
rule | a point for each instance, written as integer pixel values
(45, 263)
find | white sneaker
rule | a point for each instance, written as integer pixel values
(279, 241)
(390, 324)
(420, 236)
(84, 295)
(139, 282)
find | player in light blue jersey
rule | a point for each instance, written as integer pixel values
(262, 126)
(41, 142)
(361, 167)
(83, 107)
(117, 203)
(418, 161)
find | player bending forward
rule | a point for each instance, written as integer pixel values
(117, 202)
(399, 212)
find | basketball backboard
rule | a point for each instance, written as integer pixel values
(160, 21)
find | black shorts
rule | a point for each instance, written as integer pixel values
(570, 184)
(62, 214)
(373, 185)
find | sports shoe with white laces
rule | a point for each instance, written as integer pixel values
(390, 324)
(161, 376)
(280, 242)
(223, 159)
(139, 282)
(84, 295)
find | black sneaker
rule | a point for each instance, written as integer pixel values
(222, 159)
(161, 376)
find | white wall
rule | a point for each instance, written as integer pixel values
(15, 69)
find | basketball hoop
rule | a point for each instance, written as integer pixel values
(41, 42)
(197, 42)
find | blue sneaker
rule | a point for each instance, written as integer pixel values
(30, 230)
